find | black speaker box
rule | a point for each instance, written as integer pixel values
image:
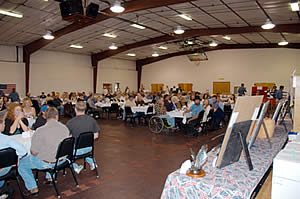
(71, 7)
(92, 10)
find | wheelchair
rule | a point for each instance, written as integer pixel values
(158, 124)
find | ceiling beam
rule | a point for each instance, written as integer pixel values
(145, 61)
(289, 28)
(130, 6)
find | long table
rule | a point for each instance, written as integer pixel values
(233, 181)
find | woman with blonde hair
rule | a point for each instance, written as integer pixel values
(15, 122)
(29, 111)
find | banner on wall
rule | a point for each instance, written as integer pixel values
(7, 88)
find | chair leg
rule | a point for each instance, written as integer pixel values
(54, 185)
(36, 176)
(96, 167)
(19, 186)
(84, 164)
(73, 174)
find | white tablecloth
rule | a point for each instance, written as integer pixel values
(140, 109)
(25, 141)
(103, 105)
(179, 114)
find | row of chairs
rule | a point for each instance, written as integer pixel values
(66, 151)
(129, 115)
(100, 112)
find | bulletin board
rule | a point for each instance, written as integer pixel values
(246, 108)
(221, 88)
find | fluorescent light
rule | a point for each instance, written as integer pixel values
(131, 54)
(178, 30)
(155, 54)
(190, 42)
(138, 26)
(48, 35)
(109, 35)
(113, 46)
(213, 44)
(11, 14)
(117, 7)
(186, 17)
(283, 42)
(227, 37)
(163, 47)
(76, 46)
(294, 5)
(268, 25)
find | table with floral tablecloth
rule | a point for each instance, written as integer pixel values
(233, 181)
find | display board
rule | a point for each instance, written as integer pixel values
(156, 88)
(246, 108)
(186, 86)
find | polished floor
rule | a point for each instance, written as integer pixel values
(133, 163)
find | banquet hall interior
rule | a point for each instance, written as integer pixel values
(146, 99)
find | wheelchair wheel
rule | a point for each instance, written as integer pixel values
(156, 124)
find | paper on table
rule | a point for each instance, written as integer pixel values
(233, 119)
(255, 113)
(186, 165)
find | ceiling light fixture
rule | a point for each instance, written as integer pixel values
(178, 30)
(131, 54)
(138, 26)
(268, 25)
(113, 46)
(48, 35)
(227, 37)
(163, 47)
(117, 7)
(11, 14)
(155, 54)
(213, 44)
(283, 42)
(294, 5)
(186, 17)
(109, 35)
(76, 46)
(190, 42)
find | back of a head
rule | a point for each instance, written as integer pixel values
(51, 113)
(80, 106)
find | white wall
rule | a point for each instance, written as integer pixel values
(12, 72)
(248, 66)
(117, 71)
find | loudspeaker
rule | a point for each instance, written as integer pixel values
(71, 7)
(92, 10)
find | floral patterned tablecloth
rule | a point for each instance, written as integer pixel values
(233, 181)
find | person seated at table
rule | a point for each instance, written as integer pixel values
(218, 114)
(139, 100)
(23, 169)
(159, 107)
(130, 102)
(83, 123)
(14, 96)
(29, 111)
(5, 102)
(168, 103)
(41, 119)
(43, 96)
(176, 103)
(15, 123)
(195, 109)
(46, 140)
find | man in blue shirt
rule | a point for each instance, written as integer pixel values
(14, 96)
(24, 171)
(195, 109)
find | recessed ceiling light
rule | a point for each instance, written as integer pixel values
(48, 35)
(113, 46)
(45, 0)
(213, 44)
(283, 42)
(138, 26)
(186, 17)
(11, 14)
(268, 25)
(76, 46)
(294, 5)
(155, 54)
(117, 7)
(163, 47)
(131, 54)
(190, 42)
(178, 30)
(109, 35)
(227, 37)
